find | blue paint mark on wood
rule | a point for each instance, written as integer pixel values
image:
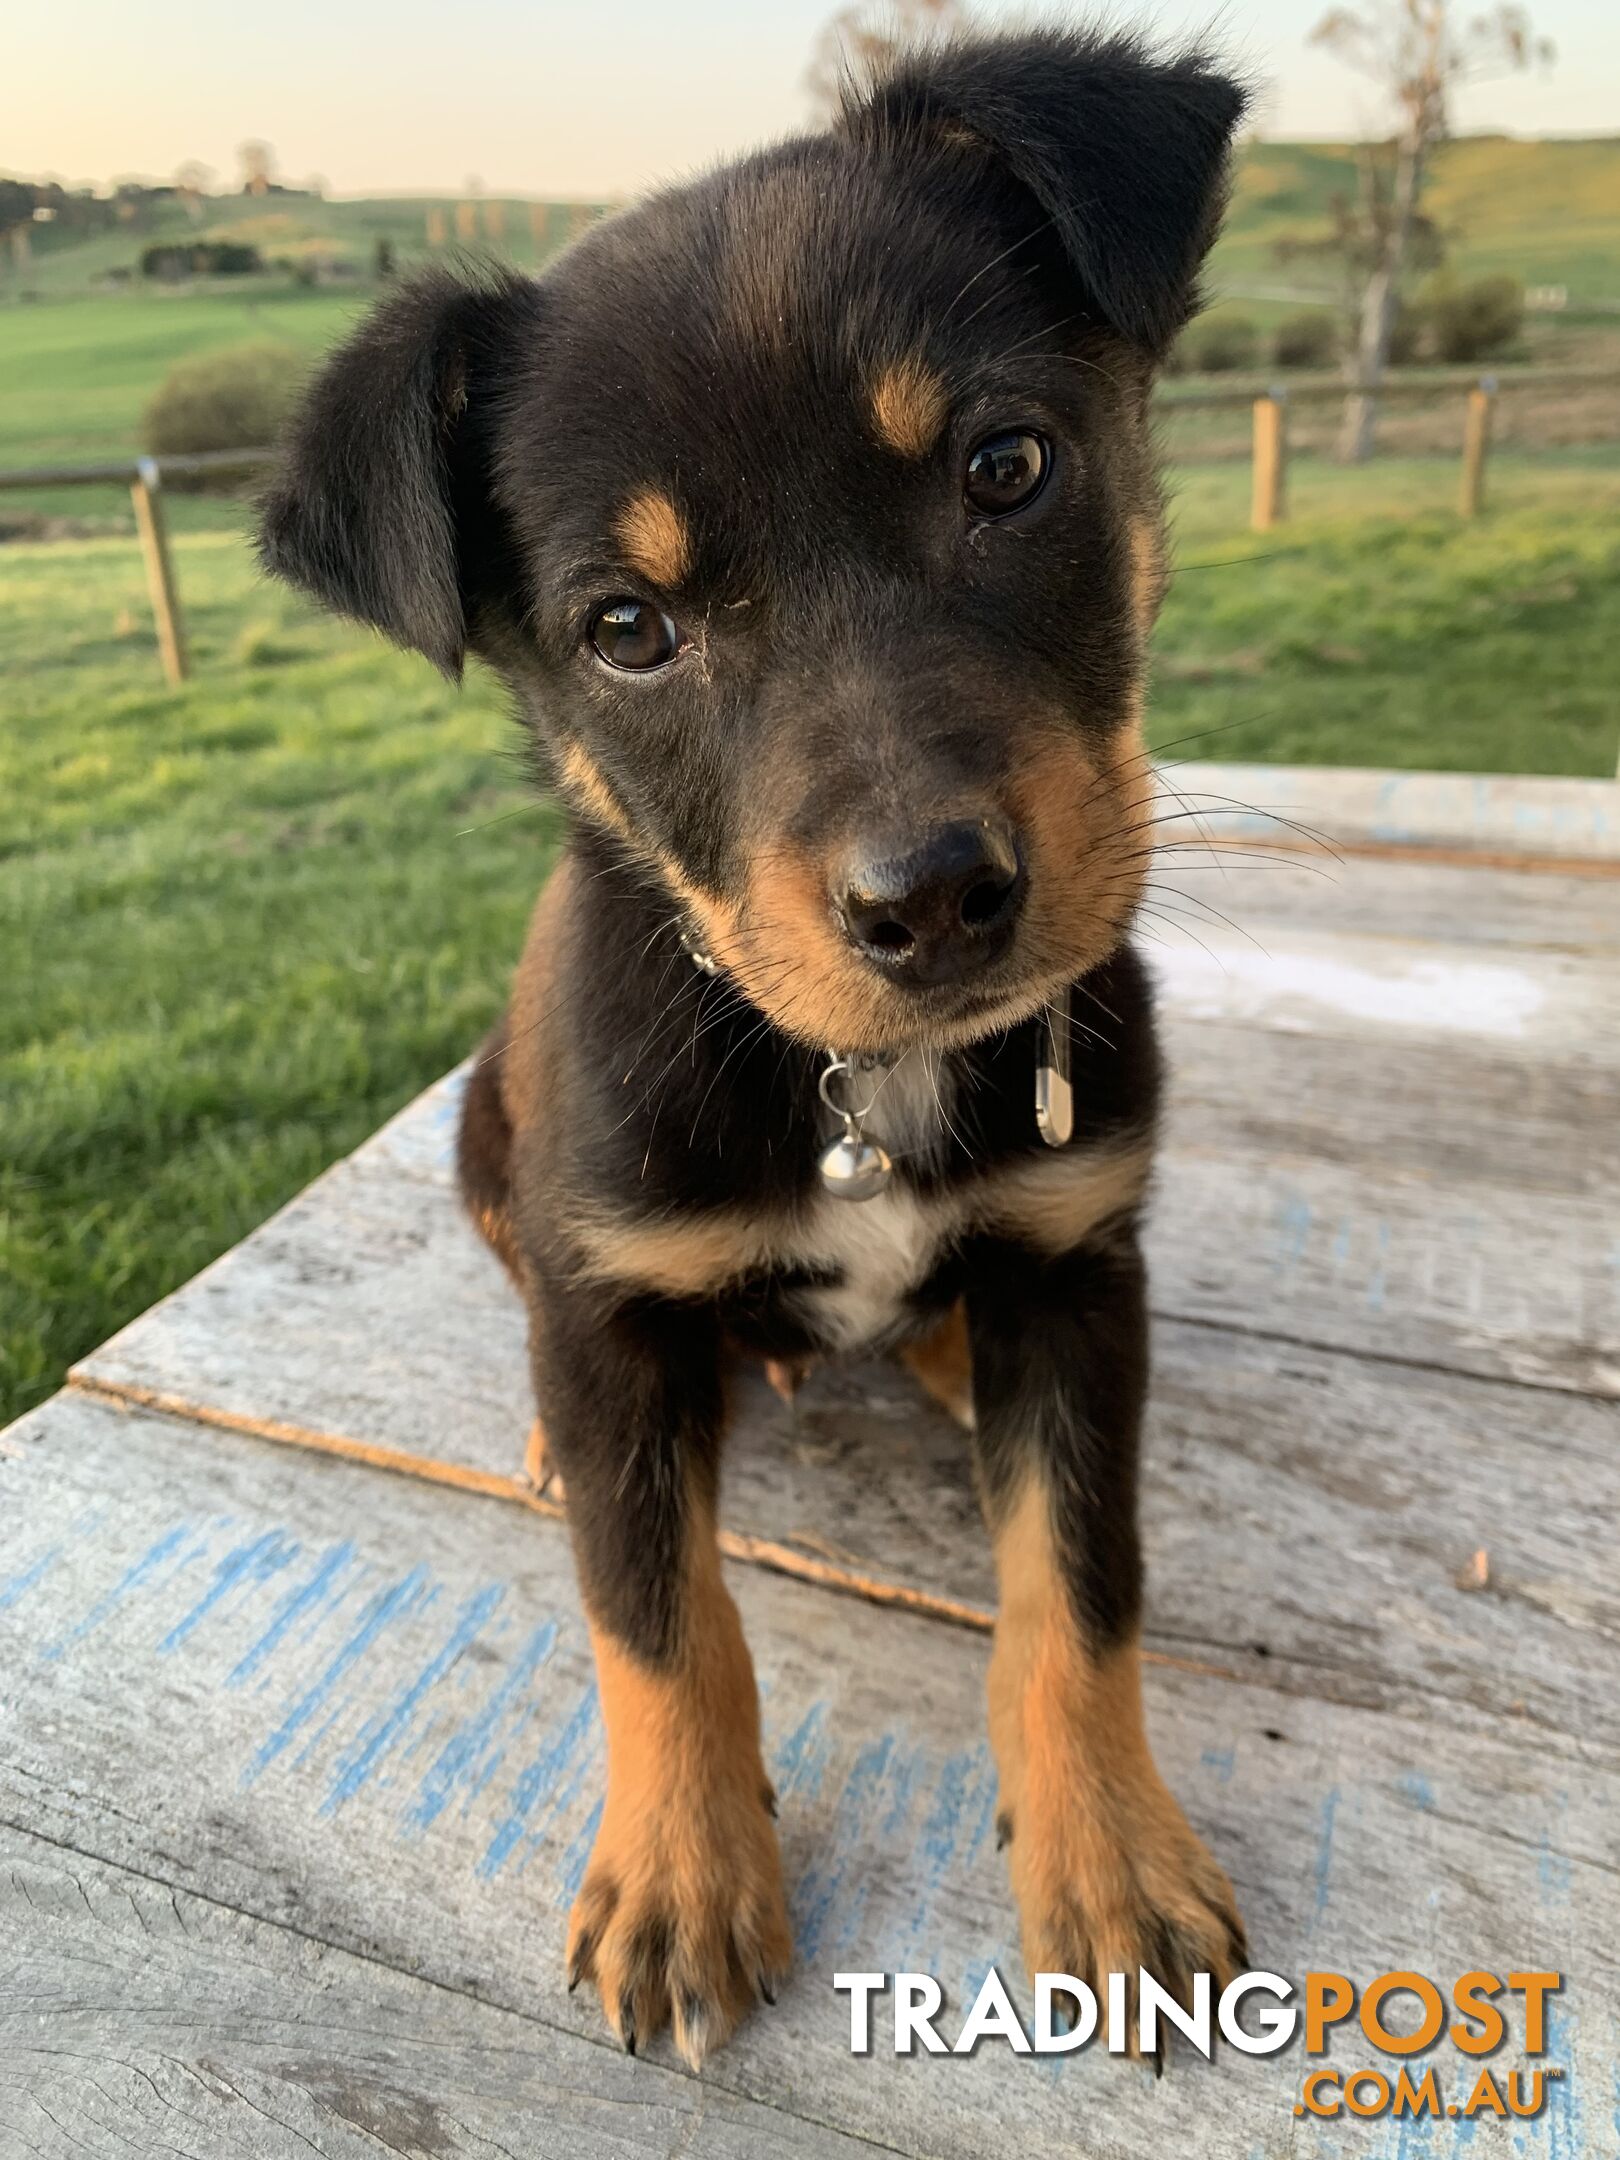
(799, 1761)
(816, 1893)
(896, 1795)
(383, 1733)
(469, 1757)
(1552, 1863)
(1413, 1786)
(571, 1868)
(962, 1807)
(544, 1777)
(1565, 2116)
(383, 1611)
(318, 1734)
(16, 1587)
(252, 1563)
(309, 1600)
(139, 1575)
(1294, 1218)
(1377, 1281)
(1221, 1761)
(1323, 1871)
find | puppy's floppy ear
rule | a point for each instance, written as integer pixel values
(1125, 154)
(381, 506)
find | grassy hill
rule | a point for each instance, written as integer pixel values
(283, 228)
(1548, 212)
(80, 354)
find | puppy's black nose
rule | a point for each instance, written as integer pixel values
(934, 908)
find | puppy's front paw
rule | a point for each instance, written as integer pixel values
(1108, 1873)
(1110, 1877)
(681, 1915)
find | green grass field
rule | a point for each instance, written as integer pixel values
(78, 371)
(1547, 213)
(78, 363)
(245, 920)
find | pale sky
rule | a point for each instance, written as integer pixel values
(577, 97)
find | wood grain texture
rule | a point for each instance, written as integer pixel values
(139, 2019)
(1483, 813)
(1370, 897)
(1541, 1008)
(361, 1710)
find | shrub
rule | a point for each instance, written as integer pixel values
(1475, 321)
(1307, 340)
(235, 399)
(1221, 343)
(200, 258)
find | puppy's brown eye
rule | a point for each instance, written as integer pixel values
(1005, 472)
(634, 635)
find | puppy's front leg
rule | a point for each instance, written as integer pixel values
(1108, 1874)
(681, 1914)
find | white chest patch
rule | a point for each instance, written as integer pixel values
(881, 1249)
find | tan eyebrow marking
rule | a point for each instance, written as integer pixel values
(654, 537)
(909, 406)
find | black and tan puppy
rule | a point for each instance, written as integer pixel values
(810, 513)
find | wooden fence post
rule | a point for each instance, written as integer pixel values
(1270, 459)
(147, 494)
(1476, 442)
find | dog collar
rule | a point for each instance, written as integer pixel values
(856, 1168)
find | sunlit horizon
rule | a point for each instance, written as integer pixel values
(543, 101)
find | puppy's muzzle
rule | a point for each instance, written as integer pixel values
(933, 908)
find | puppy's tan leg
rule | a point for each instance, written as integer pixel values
(1108, 1874)
(942, 1365)
(681, 1915)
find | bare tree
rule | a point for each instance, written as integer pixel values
(1357, 237)
(860, 38)
(1418, 56)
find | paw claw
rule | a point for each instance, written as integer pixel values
(676, 1930)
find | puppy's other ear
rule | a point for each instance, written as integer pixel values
(382, 505)
(1125, 154)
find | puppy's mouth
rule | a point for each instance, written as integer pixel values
(851, 1001)
(940, 932)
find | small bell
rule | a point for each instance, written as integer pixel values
(854, 1168)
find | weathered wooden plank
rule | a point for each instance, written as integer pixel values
(1475, 1274)
(1447, 1208)
(1267, 892)
(1310, 1522)
(1436, 1110)
(366, 1313)
(863, 1480)
(138, 2019)
(362, 1708)
(1542, 1008)
(1482, 813)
